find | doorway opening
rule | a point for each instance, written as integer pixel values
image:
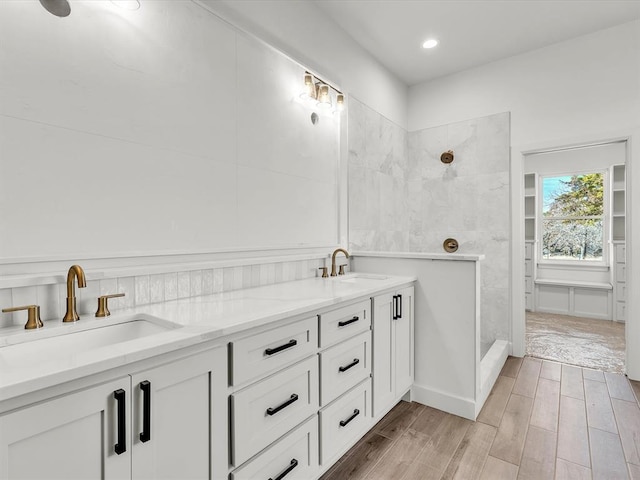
(575, 262)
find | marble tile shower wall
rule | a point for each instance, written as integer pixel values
(403, 198)
(154, 288)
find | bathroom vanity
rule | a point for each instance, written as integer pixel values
(270, 382)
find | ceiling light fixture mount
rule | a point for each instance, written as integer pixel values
(432, 42)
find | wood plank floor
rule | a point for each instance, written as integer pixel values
(542, 420)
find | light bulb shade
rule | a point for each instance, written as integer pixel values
(309, 88)
(340, 102)
(324, 97)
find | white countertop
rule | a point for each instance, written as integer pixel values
(199, 319)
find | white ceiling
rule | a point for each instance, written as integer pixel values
(470, 32)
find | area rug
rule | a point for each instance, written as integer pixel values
(585, 342)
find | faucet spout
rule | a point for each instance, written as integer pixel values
(76, 273)
(333, 260)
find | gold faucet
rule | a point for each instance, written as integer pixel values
(333, 261)
(75, 272)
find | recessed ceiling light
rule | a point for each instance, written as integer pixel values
(432, 42)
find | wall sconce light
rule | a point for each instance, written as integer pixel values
(320, 93)
(324, 98)
(310, 92)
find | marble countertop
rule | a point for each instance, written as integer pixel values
(196, 320)
(465, 257)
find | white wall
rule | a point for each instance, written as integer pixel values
(585, 86)
(306, 33)
(156, 131)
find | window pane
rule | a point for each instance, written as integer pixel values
(573, 196)
(572, 239)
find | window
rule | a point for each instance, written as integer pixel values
(573, 217)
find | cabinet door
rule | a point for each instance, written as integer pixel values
(70, 437)
(173, 424)
(404, 348)
(382, 357)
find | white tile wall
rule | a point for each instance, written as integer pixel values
(154, 288)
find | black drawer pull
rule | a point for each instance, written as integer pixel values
(285, 472)
(273, 411)
(347, 322)
(145, 435)
(399, 306)
(352, 364)
(121, 446)
(395, 307)
(344, 423)
(271, 351)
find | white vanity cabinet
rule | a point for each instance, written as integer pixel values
(69, 437)
(157, 423)
(393, 348)
(345, 373)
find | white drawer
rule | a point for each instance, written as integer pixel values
(266, 410)
(528, 268)
(344, 421)
(621, 253)
(528, 251)
(343, 366)
(528, 301)
(621, 292)
(528, 285)
(621, 272)
(342, 323)
(295, 456)
(621, 311)
(257, 355)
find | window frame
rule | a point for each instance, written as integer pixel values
(606, 221)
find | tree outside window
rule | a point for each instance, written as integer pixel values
(573, 215)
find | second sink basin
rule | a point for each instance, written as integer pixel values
(27, 350)
(362, 278)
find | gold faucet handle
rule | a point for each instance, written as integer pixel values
(341, 270)
(325, 274)
(33, 315)
(103, 308)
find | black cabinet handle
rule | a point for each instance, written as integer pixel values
(274, 410)
(395, 307)
(352, 364)
(121, 445)
(285, 472)
(145, 435)
(344, 423)
(399, 306)
(347, 322)
(271, 351)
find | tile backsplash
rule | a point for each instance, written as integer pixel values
(152, 288)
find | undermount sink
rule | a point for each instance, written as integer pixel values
(362, 278)
(68, 342)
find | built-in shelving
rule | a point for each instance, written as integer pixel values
(530, 206)
(530, 191)
(618, 203)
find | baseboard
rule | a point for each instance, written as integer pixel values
(462, 407)
(490, 368)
